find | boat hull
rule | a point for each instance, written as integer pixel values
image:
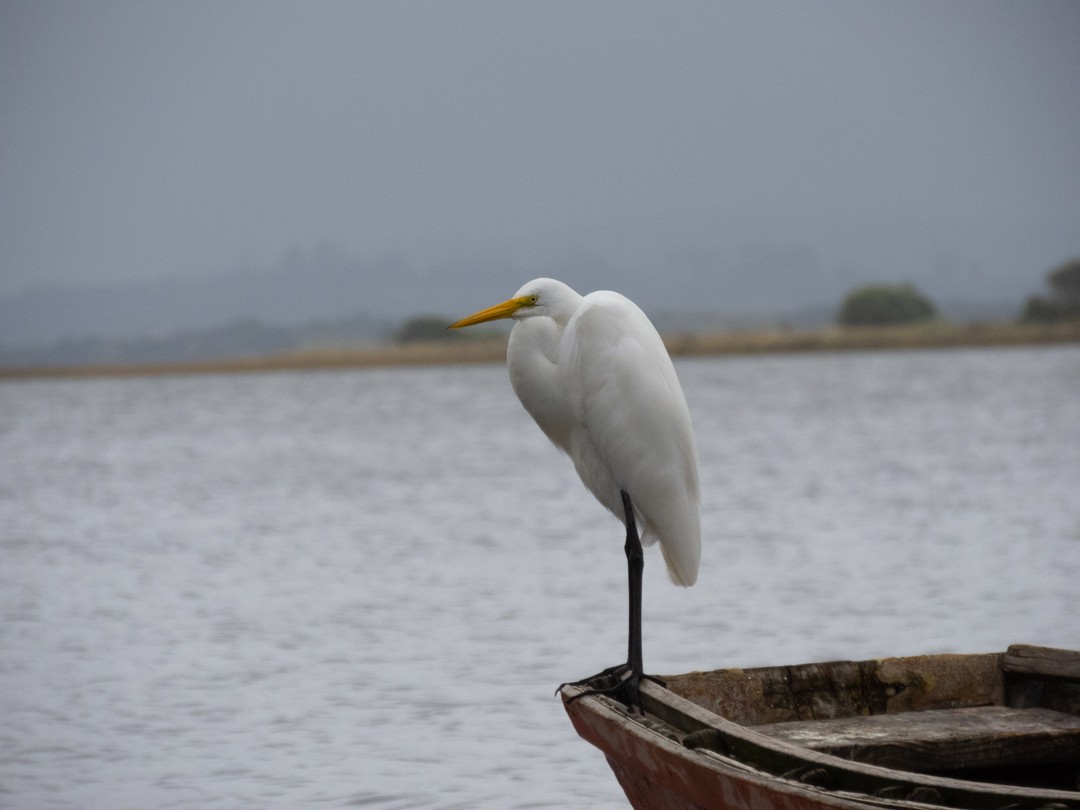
(656, 773)
(912, 732)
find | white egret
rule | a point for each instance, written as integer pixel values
(595, 375)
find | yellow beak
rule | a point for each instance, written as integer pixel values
(503, 310)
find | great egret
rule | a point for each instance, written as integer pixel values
(594, 374)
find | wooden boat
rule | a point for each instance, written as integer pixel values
(987, 732)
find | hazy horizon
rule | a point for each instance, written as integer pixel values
(700, 158)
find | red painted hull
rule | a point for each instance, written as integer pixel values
(657, 773)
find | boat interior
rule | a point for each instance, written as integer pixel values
(1006, 718)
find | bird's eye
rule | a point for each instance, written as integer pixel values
(533, 299)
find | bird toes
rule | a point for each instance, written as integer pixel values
(619, 682)
(615, 672)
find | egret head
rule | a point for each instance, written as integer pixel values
(541, 296)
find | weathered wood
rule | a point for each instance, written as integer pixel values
(1042, 676)
(844, 688)
(1023, 659)
(943, 740)
(1047, 662)
(889, 733)
(742, 769)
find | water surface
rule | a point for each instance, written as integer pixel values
(360, 588)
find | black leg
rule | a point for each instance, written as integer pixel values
(635, 566)
(627, 688)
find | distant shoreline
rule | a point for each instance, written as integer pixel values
(744, 342)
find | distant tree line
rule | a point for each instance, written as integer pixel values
(1063, 302)
(426, 328)
(871, 305)
(884, 305)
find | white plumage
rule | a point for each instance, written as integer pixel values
(595, 375)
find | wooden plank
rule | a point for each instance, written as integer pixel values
(844, 688)
(947, 739)
(1047, 662)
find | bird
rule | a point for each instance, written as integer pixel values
(595, 376)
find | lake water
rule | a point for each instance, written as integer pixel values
(361, 588)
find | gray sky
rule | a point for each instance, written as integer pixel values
(148, 139)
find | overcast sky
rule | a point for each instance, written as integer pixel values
(148, 139)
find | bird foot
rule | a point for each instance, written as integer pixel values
(619, 681)
(605, 674)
